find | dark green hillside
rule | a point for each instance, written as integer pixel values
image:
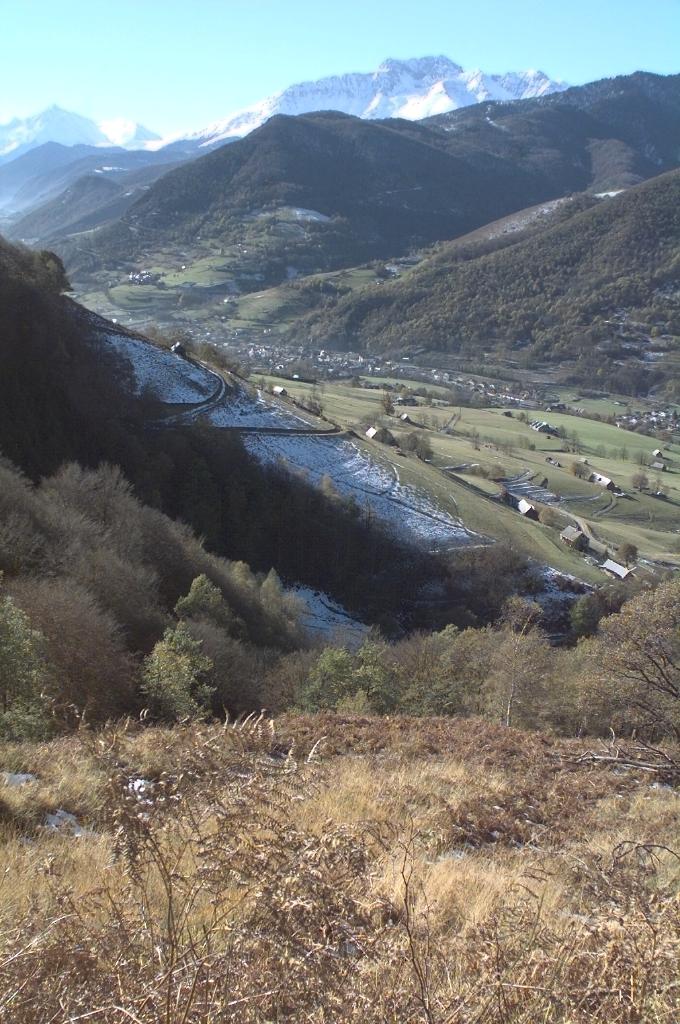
(88, 202)
(69, 211)
(548, 294)
(607, 134)
(45, 172)
(385, 187)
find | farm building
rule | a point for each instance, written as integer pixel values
(574, 538)
(526, 509)
(371, 432)
(657, 453)
(614, 569)
(661, 467)
(603, 481)
(279, 391)
(542, 427)
(178, 348)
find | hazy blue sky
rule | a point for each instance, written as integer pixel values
(179, 64)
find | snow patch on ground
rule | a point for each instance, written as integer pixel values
(17, 778)
(167, 376)
(558, 592)
(313, 215)
(240, 409)
(325, 618)
(355, 474)
(64, 821)
(608, 195)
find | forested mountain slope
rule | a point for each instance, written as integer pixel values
(604, 135)
(373, 189)
(68, 395)
(550, 293)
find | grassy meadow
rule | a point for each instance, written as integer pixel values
(505, 446)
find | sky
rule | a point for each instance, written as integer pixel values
(177, 65)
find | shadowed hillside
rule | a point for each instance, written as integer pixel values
(550, 292)
(382, 188)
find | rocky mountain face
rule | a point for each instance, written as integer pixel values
(410, 89)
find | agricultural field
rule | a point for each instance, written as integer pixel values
(220, 287)
(483, 446)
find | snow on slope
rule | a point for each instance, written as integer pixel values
(354, 473)
(242, 410)
(412, 89)
(323, 617)
(350, 468)
(168, 377)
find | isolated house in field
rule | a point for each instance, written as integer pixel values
(657, 453)
(526, 509)
(279, 391)
(371, 432)
(574, 538)
(603, 481)
(615, 569)
(661, 467)
(405, 418)
(178, 348)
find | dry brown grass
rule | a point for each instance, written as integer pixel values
(451, 872)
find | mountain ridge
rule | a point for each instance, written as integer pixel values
(378, 189)
(591, 282)
(410, 89)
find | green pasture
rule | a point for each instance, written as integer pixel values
(487, 437)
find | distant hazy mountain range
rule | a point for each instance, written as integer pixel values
(411, 89)
(57, 125)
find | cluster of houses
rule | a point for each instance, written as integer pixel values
(142, 277)
(649, 419)
(574, 538)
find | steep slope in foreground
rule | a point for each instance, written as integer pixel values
(410, 870)
(549, 293)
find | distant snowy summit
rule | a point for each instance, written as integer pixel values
(411, 89)
(69, 129)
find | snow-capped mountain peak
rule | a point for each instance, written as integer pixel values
(58, 125)
(119, 131)
(414, 88)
